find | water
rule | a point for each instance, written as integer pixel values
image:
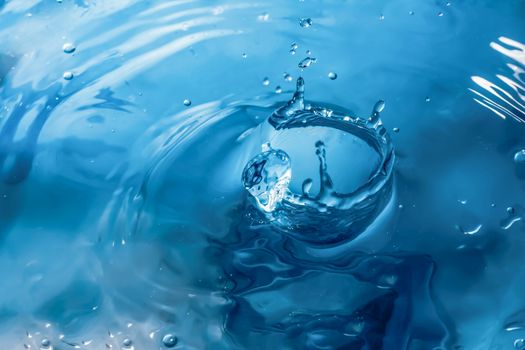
(124, 220)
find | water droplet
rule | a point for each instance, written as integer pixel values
(244, 55)
(512, 218)
(308, 52)
(266, 177)
(427, 99)
(68, 75)
(448, 3)
(519, 157)
(395, 130)
(287, 77)
(440, 14)
(294, 46)
(170, 340)
(411, 13)
(307, 62)
(266, 82)
(187, 102)
(278, 89)
(381, 17)
(519, 344)
(264, 17)
(127, 343)
(69, 48)
(45, 343)
(332, 75)
(305, 22)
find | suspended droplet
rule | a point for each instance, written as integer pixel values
(332, 75)
(287, 77)
(381, 17)
(307, 62)
(68, 75)
(519, 344)
(69, 48)
(170, 340)
(395, 130)
(305, 22)
(307, 186)
(266, 82)
(278, 89)
(244, 55)
(187, 102)
(411, 13)
(427, 99)
(440, 14)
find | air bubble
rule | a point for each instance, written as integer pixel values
(278, 90)
(127, 343)
(332, 75)
(519, 157)
(266, 82)
(287, 77)
(187, 102)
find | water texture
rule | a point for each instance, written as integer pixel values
(201, 174)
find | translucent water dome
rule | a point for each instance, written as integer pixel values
(321, 167)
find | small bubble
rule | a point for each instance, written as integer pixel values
(411, 13)
(244, 55)
(381, 17)
(511, 210)
(266, 81)
(69, 48)
(170, 340)
(68, 75)
(395, 130)
(294, 46)
(332, 75)
(278, 89)
(305, 22)
(308, 52)
(287, 77)
(440, 14)
(427, 99)
(519, 344)
(187, 102)
(293, 52)
(448, 3)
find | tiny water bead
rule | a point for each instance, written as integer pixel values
(169, 340)
(519, 344)
(519, 157)
(305, 22)
(287, 77)
(69, 48)
(45, 343)
(332, 75)
(127, 344)
(68, 75)
(187, 102)
(266, 82)
(278, 89)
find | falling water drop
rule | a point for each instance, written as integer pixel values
(332, 75)
(69, 48)
(427, 99)
(440, 14)
(287, 77)
(278, 89)
(170, 340)
(307, 62)
(45, 343)
(305, 22)
(127, 343)
(266, 82)
(187, 102)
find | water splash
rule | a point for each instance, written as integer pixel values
(295, 207)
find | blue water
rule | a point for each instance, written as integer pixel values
(125, 128)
